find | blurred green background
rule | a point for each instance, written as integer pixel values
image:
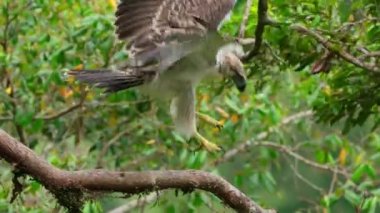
(288, 162)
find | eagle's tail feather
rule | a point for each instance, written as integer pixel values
(110, 80)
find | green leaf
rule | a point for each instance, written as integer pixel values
(370, 171)
(358, 173)
(352, 197)
(344, 10)
(373, 204)
(329, 200)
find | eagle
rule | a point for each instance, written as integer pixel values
(172, 45)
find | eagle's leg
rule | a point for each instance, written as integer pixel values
(182, 109)
(212, 121)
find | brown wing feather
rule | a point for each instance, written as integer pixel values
(151, 24)
(131, 12)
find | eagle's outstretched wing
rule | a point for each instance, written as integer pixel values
(156, 29)
(159, 33)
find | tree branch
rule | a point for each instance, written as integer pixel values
(348, 25)
(107, 146)
(258, 141)
(7, 50)
(246, 145)
(69, 186)
(139, 202)
(290, 152)
(370, 54)
(65, 111)
(262, 21)
(61, 113)
(5, 119)
(244, 22)
(336, 50)
(50, 117)
(302, 178)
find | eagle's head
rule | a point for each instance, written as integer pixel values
(229, 64)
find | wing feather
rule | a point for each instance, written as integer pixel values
(133, 27)
(128, 6)
(150, 25)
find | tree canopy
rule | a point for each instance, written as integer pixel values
(303, 137)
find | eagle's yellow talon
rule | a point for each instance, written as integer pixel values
(210, 120)
(219, 125)
(209, 146)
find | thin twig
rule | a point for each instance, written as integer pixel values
(244, 22)
(72, 109)
(49, 117)
(351, 24)
(65, 111)
(107, 146)
(333, 182)
(61, 113)
(370, 54)
(290, 152)
(304, 179)
(4, 119)
(261, 136)
(339, 51)
(136, 203)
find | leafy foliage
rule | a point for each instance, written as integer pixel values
(75, 127)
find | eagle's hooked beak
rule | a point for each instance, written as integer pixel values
(240, 82)
(238, 74)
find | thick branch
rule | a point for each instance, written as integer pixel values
(59, 181)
